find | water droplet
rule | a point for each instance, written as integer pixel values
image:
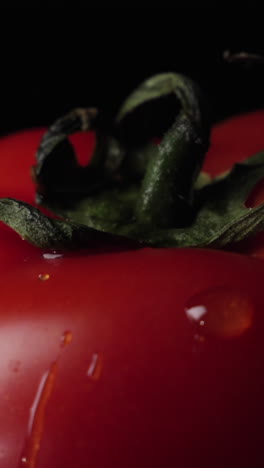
(52, 255)
(37, 417)
(222, 311)
(199, 338)
(95, 368)
(196, 312)
(66, 338)
(44, 277)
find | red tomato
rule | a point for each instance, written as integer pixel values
(113, 358)
(233, 140)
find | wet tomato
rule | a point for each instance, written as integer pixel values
(114, 357)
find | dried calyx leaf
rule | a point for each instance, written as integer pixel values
(153, 194)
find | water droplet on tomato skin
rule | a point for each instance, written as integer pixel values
(222, 311)
(38, 408)
(95, 368)
(196, 312)
(43, 276)
(37, 417)
(53, 255)
(199, 338)
(66, 338)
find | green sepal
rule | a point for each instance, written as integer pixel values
(46, 232)
(150, 184)
(222, 218)
(152, 194)
(158, 86)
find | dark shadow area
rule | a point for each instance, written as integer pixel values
(54, 59)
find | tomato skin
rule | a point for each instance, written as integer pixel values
(156, 399)
(17, 156)
(233, 140)
(133, 386)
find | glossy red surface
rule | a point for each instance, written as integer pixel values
(101, 365)
(133, 386)
(235, 139)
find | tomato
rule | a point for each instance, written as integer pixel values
(114, 357)
(233, 140)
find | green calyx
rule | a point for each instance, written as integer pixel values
(154, 194)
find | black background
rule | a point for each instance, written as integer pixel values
(54, 59)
